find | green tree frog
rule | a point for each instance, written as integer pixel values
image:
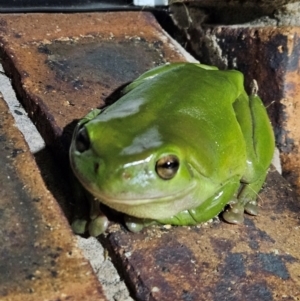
(183, 141)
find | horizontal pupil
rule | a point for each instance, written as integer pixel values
(170, 165)
(167, 167)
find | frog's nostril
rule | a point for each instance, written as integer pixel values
(82, 141)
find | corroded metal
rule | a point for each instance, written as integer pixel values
(258, 260)
(39, 259)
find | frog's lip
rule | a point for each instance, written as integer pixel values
(109, 200)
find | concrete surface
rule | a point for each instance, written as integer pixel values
(113, 286)
(32, 136)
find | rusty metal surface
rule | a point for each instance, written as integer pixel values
(39, 259)
(270, 55)
(63, 65)
(259, 260)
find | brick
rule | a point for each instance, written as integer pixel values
(39, 259)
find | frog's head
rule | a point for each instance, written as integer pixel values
(141, 175)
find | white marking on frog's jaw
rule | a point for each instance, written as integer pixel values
(150, 139)
(124, 109)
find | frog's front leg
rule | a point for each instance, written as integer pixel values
(96, 223)
(135, 224)
(209, 208)
(81, 206)
(259, 138)
(246, 201)
(99, 221)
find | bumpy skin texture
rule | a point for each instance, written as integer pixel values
(183, 141)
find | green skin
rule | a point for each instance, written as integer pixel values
(222, 138)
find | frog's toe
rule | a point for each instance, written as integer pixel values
(251, 208)
(98, 225)
(79, 226)
(234, 215)
(133, 224)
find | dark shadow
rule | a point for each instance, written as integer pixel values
(56, 178)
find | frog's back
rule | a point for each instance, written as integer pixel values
(190, 107)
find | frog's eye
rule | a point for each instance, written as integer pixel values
(167, 166)
(82, 140)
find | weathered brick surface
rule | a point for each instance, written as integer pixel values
(39, 259)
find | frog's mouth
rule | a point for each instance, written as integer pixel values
(106, 199)
(157, 207)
